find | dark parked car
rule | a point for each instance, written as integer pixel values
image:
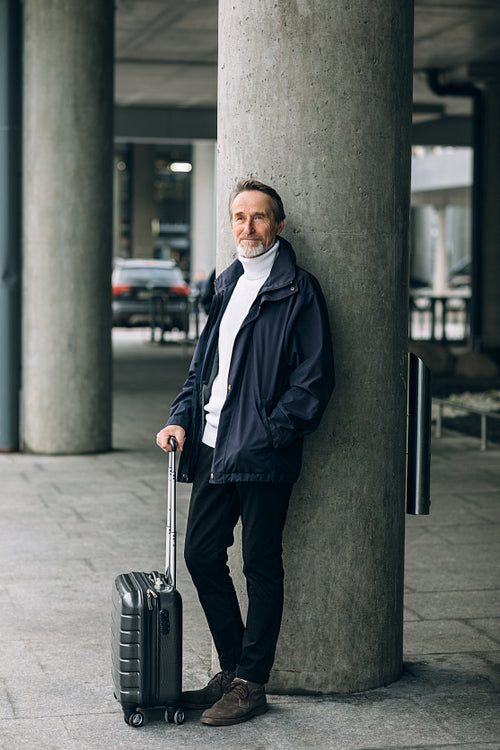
(138, 285)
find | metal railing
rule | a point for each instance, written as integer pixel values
(161, 312)
(484, 414)
(434, 317)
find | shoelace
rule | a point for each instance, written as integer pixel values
(240, 688)
(218, 678)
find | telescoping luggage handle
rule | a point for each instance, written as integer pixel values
(170, 540)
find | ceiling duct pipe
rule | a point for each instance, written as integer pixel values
(467, 89)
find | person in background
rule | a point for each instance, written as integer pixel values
(208, 292)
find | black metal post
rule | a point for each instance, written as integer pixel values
(418, 474)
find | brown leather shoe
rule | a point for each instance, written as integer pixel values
(241, 701)
(210, 694)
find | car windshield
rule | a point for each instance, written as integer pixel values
(141, 275)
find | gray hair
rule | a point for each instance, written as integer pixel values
(251, 184)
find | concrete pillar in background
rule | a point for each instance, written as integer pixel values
(116, 207)
(440, 275)
(490, 247)
(143, 207)
(315, 99)
(203, 186)
(67, 223)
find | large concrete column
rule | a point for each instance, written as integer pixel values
(490, 246)
(203, 187)
(315, 98)
(67, 177)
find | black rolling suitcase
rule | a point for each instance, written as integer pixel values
(146, 633)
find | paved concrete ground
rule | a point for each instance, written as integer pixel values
(70, 524)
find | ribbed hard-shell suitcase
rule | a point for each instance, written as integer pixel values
(146, 633)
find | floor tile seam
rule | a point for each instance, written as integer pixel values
(415, 656)
(439, 592)
(426, 746)
(464, 544)
(477, 524)
(27, 503)
(10, 702)
(472, 622)
(428, 535)
(448, 544)
(442, 719)
(463, 480)
(446, 746)
(426, 592)
(437, 527)
(5, 721)
(470, 500)
(422, 700)
(408, 589)
(370, 697)
(441, 723)
(89, 499)
(462, 620)
(464, 470)
(444, 618)
(418, 618)
(426, 691)
(485, 494)
(475, 515)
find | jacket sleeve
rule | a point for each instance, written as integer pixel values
(309, 354)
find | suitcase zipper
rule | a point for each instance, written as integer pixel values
(149, 595)
(151, 625)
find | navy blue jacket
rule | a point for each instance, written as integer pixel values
(280, 378)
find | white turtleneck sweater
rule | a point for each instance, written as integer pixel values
(255, 273)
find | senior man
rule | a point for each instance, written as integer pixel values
(259, 381)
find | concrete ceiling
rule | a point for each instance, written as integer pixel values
(166, 52)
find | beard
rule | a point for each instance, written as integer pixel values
(251, 249)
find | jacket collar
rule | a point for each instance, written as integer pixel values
(282, 273)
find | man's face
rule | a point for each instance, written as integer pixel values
(253, 223)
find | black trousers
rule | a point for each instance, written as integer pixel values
(213, 513)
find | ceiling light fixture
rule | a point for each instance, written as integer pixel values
(181, 166)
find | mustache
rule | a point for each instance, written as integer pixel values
(251, 252)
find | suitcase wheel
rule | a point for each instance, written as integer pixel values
(137, 719)
(175, 716)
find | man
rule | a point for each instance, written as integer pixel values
(259, 381)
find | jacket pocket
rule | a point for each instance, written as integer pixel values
(265, 423)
